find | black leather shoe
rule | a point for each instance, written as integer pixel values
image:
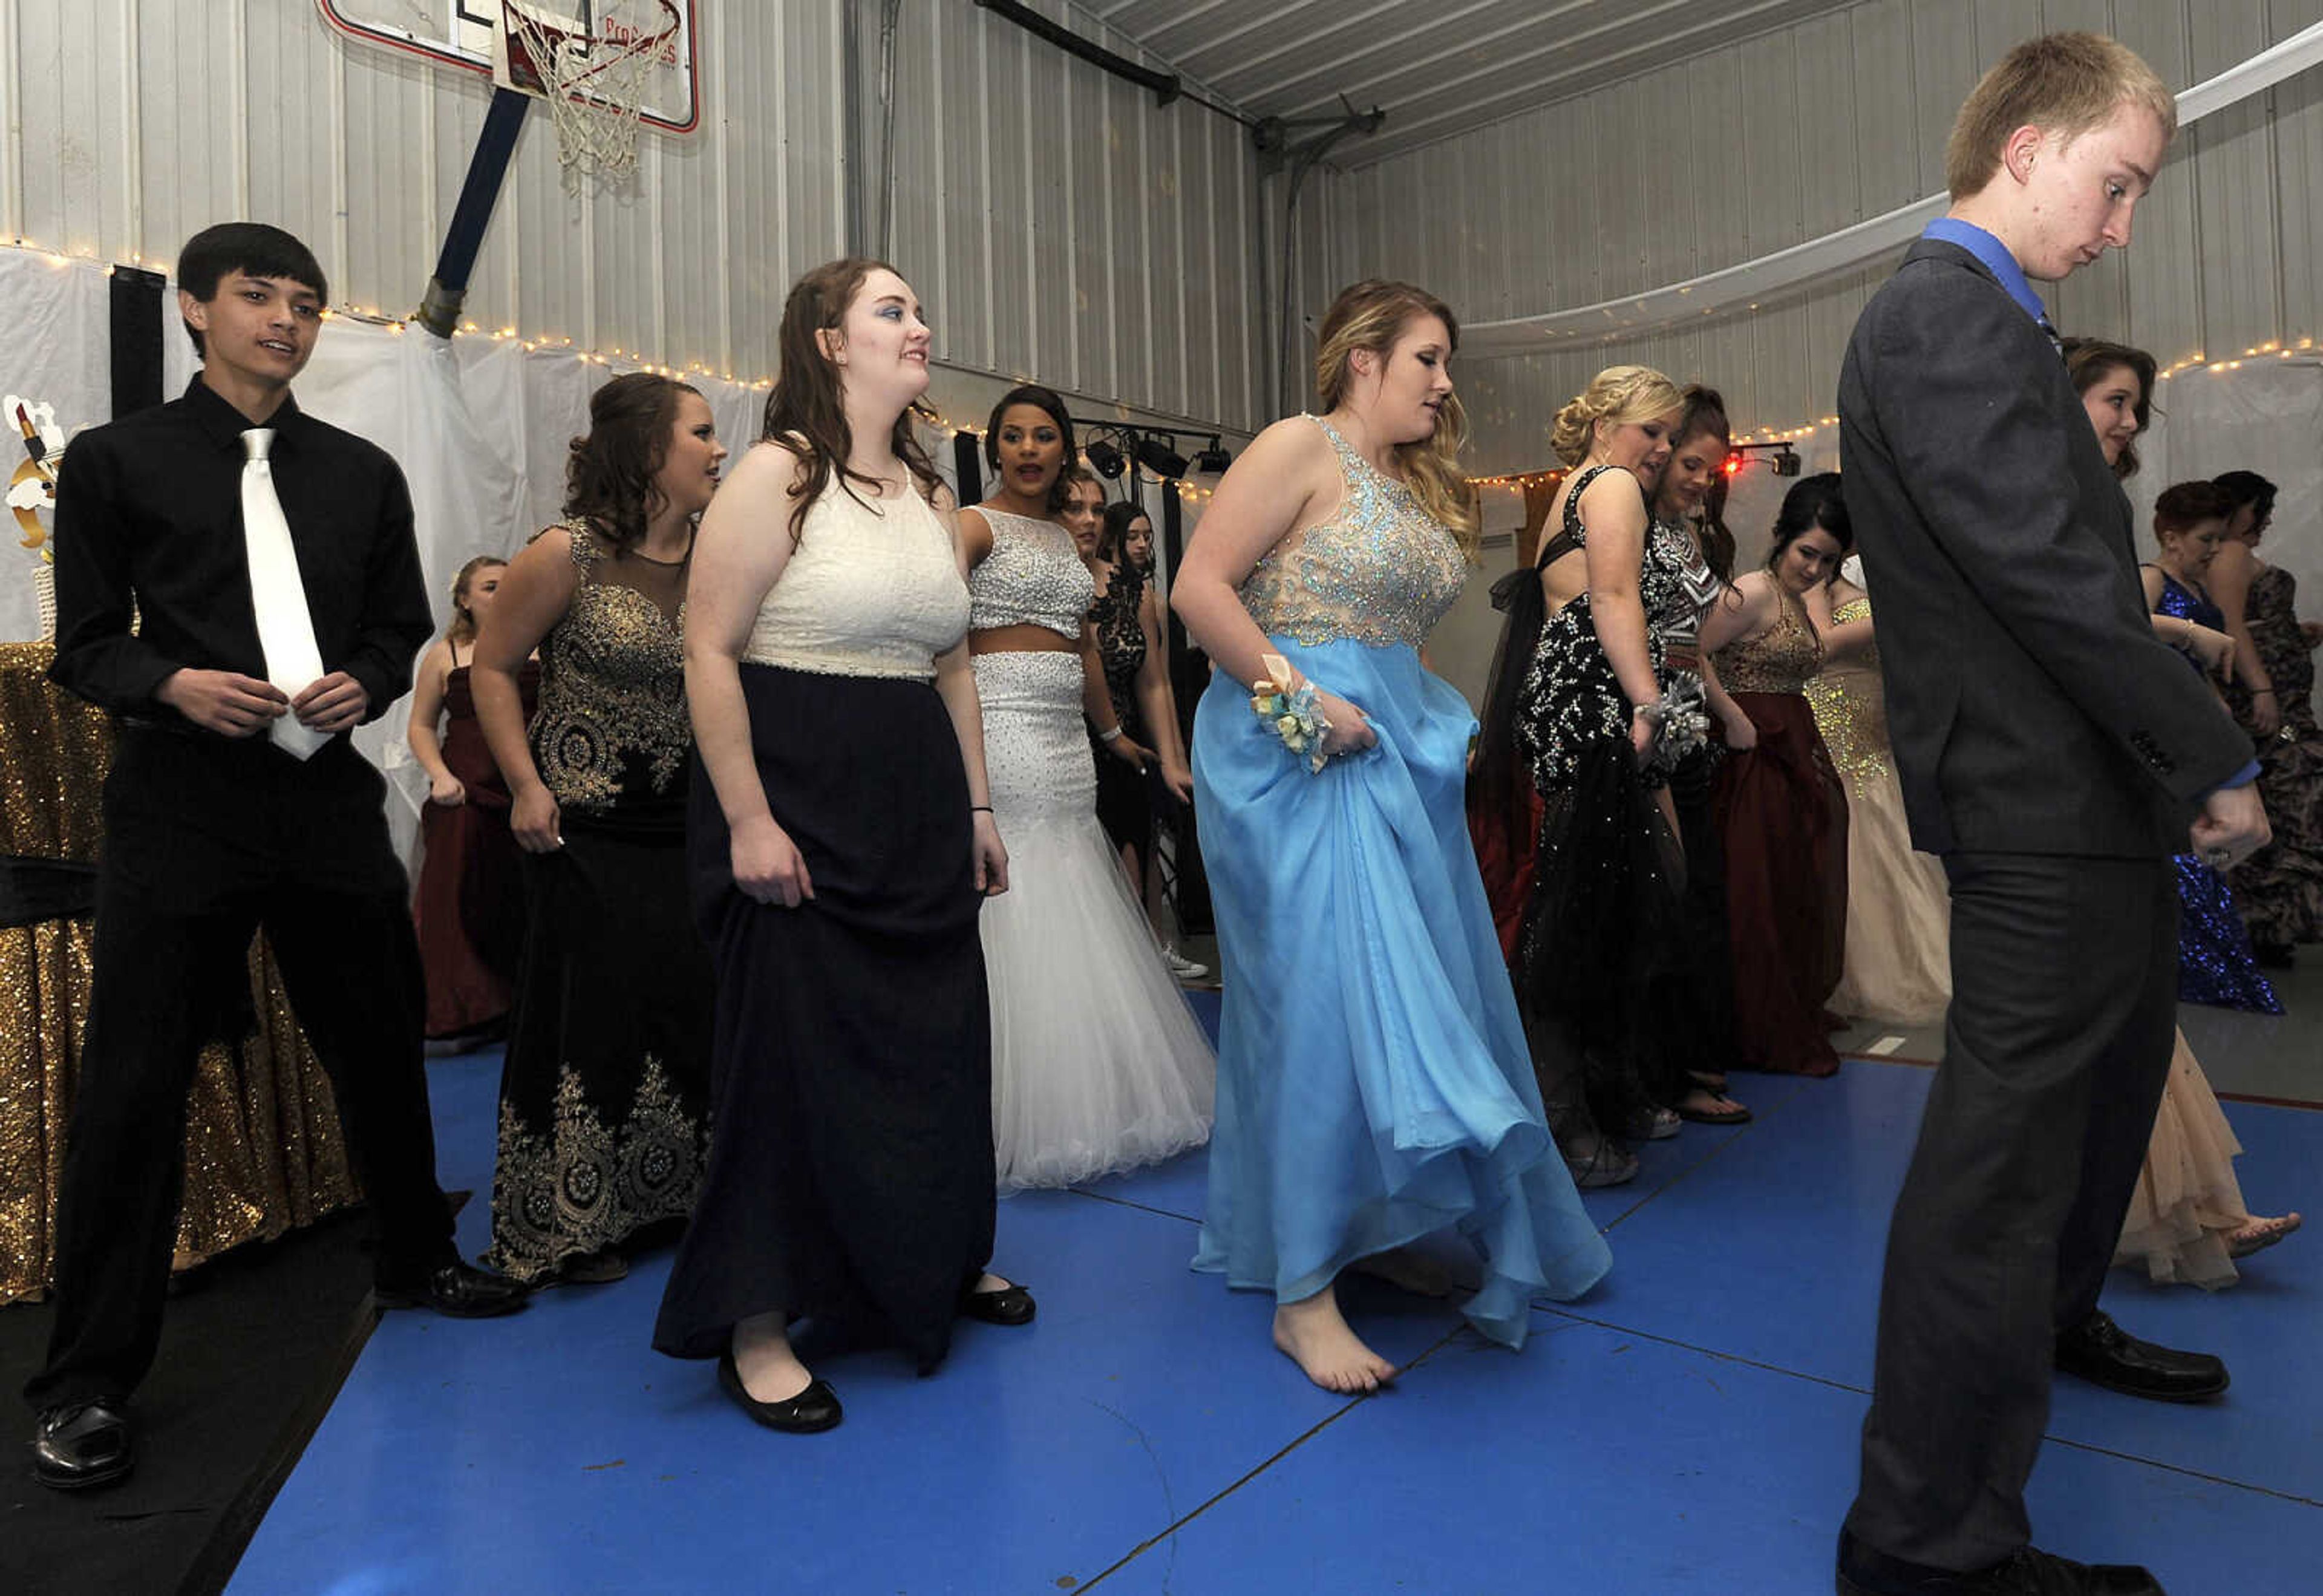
(813, 1408)
(81, 1445)
(458, 1290)
(1864, 1571)
(2102, 1352)
(1011, 1305)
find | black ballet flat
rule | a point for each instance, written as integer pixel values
(813, 1409)
(1010, 1306)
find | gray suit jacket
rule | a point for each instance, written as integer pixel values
(2031, 708)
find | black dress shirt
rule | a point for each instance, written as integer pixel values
(149, 509)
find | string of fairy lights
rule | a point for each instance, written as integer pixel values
(1189, 491)
(2273, 348)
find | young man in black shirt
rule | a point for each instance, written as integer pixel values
(271, 563)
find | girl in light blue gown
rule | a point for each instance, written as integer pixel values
(1373, 1081)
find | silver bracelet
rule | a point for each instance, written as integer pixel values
(1110, 734)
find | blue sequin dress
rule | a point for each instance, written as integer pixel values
(1374, 1080)
(2215, 963)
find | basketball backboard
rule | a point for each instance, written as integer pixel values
(459, 35)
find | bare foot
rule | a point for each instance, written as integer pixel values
(1312, 1334)
(2261, 1234)
(770, 1370)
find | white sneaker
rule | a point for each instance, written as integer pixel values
(1181, 967)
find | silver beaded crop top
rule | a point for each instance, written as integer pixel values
(1381, 570)
(870, 590)
(1034, 576)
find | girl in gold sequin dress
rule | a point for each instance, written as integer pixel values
(603, 1123)
(1781, 811)
(1898, 968)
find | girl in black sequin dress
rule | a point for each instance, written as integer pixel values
(1602, 961)
(1127, 615)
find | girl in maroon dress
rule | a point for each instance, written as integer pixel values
(469, 907)
(1781, 811)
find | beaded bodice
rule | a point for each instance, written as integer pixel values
(1677, 550)
(1850, 710)
(1381, 570)
(1781, 659)
(1034, 576)
(611, 727)
(1571, 700)
(871, 590)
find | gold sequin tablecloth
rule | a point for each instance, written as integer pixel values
(264, 1152)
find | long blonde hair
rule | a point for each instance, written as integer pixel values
(1372, 315)
(462, 629)
(1619, 394)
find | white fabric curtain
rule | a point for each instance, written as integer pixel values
(481, 426)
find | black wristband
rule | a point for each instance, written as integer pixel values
(979, 809)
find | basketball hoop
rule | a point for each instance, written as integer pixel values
(592, 73)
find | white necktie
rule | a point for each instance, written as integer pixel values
(286, 631)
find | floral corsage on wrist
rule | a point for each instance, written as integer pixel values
(1681, 728)
(1286, 705)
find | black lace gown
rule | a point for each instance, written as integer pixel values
(1603, 965)
(604, 1113)
(1123, 808)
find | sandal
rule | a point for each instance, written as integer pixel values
(1608, 1166)
(1733, 1114)
(2261, 1234)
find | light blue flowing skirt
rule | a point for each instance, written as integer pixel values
(1373, 1081)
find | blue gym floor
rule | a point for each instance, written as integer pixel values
(1690, 1426)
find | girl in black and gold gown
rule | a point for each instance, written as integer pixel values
(602, 1116)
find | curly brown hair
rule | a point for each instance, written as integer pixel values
(609, 474)
(807, 411)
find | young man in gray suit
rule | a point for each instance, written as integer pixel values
(2054, 753)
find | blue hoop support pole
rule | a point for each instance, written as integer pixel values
(447, 290)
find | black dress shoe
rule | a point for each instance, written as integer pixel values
(1866, 1572)
(2102, 1352)
(457, 1290)
(813, 1408)
(81, 1445)
(1011, 1305)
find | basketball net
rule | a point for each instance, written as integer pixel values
(593, 81)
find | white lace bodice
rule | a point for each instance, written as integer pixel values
(872, 589)
(1034, 576)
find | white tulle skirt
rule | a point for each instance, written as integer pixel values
(1098, 1064)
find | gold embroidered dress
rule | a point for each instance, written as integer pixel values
(1898, 968)
(602, 1119)
(264, 1150)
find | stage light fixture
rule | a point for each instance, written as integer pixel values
(1159, 458)
(1213, 460)
(1733, 466)
(1103, 459)
(1786, 462)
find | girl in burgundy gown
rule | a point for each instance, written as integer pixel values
(1780, 807)
(469, 907)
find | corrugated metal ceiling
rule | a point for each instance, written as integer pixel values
(1437, 67)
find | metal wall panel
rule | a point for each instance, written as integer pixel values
(1791, 135)
(1058, 222)
(1083, 236)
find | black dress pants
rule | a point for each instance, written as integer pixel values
(2064, 1000)
(206, 841)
